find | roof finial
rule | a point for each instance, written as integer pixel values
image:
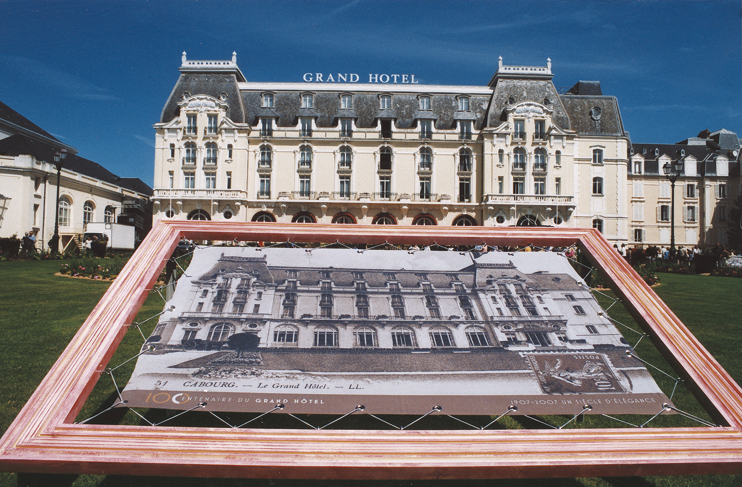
(183, 57)
(548, 64)
(234, 57)
(499, 62)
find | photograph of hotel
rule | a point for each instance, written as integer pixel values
(428, 325)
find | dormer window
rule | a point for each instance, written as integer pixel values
(346, 101)
(268, 100)
(385, 102)
(464, 103)
(424, 103)
(307, 100)
(637, 167)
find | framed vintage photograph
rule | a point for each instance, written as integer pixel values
(440, 343)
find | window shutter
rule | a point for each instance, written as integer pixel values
(659, 212)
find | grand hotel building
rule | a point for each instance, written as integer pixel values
(513, 152)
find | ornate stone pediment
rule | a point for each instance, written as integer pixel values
(529, 109)
(202, 103)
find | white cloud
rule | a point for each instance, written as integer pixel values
(74, 86)
(147, 140)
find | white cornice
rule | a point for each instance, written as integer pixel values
(367, 87)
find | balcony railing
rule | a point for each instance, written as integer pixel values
(343, 195)
(304, 195)
(425, 197)
(519, 136)
(220, 194)
(189, 161)
(538, 199)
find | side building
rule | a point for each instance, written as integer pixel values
(512, 152)
(704, 190)
(88, 192)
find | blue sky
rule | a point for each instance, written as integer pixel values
(97, 74)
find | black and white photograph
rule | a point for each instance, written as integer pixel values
(397, 331)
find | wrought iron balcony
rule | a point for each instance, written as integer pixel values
(531, 199)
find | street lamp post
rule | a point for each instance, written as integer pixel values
(672, 171)
(59, 158)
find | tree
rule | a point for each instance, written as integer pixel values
(734, 232)
(243, 342)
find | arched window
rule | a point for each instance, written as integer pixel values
(403, 337)
(477, 337)
(528, 221)
(305, 156)
(346, 157)
(384, 219)
(519, 159)
(385, 159)
(109, 215)
(464, 221)
(190, 153)
(87, 212)
(424, 219)
(539, 160)
(597, 185)
(263, 216)
(364, 336)
(426, 159)
(220, 332)
(597, 156)
(211, 153)
(325, 336)
(440, 336)
(65, 209)
(465, 160)
(304, 217)
(266, 156)
(344, 218)
(199, 215)
(286, 335)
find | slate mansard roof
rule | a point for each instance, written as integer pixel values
(487, 104)
(29, 139)
(705, 148)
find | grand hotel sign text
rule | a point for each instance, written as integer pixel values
(355, 78)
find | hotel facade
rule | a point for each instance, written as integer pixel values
(392, 151)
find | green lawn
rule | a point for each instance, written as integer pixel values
(41, 312)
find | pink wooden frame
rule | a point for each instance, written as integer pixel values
(43, 438)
